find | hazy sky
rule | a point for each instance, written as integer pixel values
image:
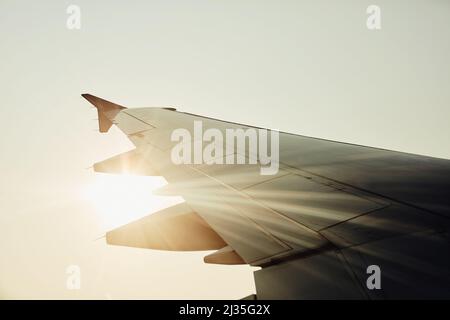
(307, 67)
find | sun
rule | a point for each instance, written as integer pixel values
(120, 199)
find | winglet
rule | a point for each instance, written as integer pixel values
(106, 111)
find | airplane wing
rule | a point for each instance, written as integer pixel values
(316, 228)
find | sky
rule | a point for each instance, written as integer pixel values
(305, 67)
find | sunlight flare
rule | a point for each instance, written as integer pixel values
(120, 199)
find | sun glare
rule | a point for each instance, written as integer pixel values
(120, 199)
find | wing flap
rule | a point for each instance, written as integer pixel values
(226, 255)
(175, 228)
(130, 162)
